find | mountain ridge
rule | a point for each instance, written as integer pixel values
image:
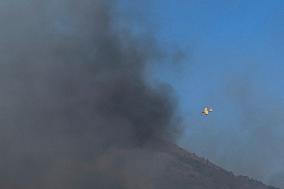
(201, 173)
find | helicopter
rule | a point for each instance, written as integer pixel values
(206, 110)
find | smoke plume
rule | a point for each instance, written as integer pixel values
(74, 96)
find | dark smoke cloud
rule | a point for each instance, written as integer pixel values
(74, 96)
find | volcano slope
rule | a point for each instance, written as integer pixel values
(181, 169)
(162, 165)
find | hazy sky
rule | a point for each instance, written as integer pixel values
(234, 62)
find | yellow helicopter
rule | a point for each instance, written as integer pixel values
(206, 110)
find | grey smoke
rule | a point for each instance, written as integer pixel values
(73, 92)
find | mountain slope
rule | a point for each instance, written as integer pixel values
(186, 170)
